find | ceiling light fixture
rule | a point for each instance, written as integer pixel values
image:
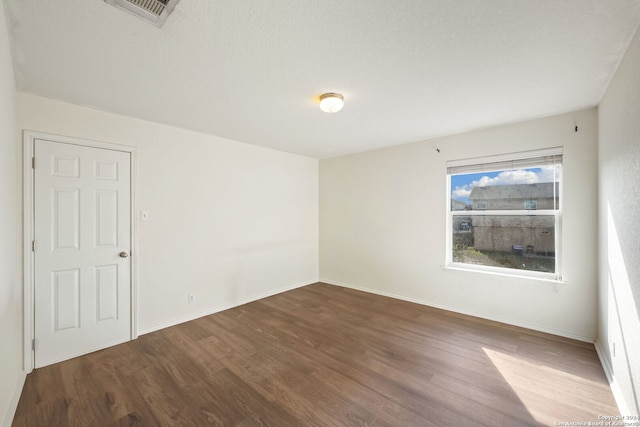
(331, 102)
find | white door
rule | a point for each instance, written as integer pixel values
(82, 271)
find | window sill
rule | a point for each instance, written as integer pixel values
(536, 278)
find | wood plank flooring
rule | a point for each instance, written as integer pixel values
(324, 355)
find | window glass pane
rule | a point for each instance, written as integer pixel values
(534, 188)
(524, 242)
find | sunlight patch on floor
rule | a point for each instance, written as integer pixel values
(551, 395)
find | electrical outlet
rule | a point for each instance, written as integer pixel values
(191, 298)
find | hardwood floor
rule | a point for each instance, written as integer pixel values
(326, 356)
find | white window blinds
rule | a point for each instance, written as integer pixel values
(520, 160)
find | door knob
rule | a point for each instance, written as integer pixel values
(123, 254)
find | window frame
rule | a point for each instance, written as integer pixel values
(520, 160)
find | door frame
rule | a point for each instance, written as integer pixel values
(29, 138)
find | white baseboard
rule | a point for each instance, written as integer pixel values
(13, 405)
(213, 310)
(513, 322)
(613, 384)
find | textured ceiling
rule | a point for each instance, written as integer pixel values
(252, 70)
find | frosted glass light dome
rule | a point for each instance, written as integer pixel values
(331, 102)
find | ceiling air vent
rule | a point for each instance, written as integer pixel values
(154, 11)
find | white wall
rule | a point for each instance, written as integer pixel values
(11, 376)
(229, 222)
(382, 226)
(619, 207)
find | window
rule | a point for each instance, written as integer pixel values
(504, 213)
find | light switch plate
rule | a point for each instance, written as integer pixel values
(144, 216)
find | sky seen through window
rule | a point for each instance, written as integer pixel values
(462, 184)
